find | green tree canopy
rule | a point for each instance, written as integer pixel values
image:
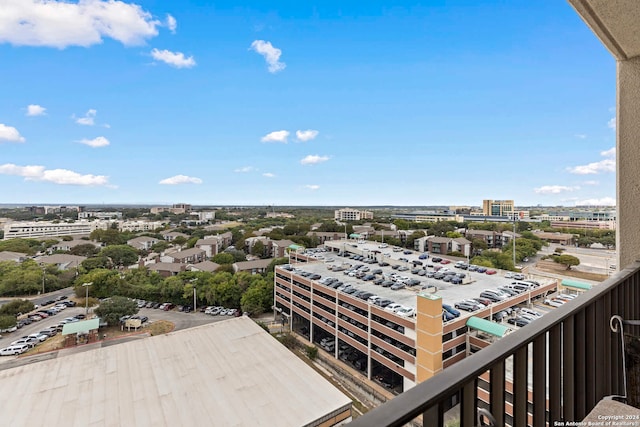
(114, 308)
(567, 260)
(16, 306)
(86, 249)
(223, 258)
(121, 255)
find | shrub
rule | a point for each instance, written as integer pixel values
(312, 351)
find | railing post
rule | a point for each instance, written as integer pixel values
(520, 386)
(496, 387)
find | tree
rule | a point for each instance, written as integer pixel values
(86, 249)
(258, 249)
(568, 260)
(114, 308)
(7, 321)
(121, 255)
(179, 240)
(16, 306)
(223, 258)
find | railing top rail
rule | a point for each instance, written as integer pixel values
(412, 403)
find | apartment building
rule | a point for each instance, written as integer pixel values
(349, 214)
(99, 215)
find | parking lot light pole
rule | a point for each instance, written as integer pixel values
(86, 298)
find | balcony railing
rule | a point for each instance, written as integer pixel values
(574, 358)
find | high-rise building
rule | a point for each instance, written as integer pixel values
(497, 207)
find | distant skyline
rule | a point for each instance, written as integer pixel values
(328, 104)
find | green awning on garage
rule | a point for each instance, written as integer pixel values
(82, 326)
(576, 285)
(355, 236)
(295, 247)
(487, 326)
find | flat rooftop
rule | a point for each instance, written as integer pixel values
(450, 293)
(229, 373)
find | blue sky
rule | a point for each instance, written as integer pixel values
(296, 103)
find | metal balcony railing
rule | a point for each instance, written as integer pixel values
(554, 369)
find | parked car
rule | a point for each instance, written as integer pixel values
(451, 310)
(406, 312)
(446, 316)
(393, 307)
(467, 306)
(14, 350)
(490, 272)
(397, 286)
(31, 342)
(554, 302)
(519, 321)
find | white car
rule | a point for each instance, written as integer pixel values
(530, 312)
(406, 312)
(31, 342)
(508, 275)
(393, 307)
(39, 337)
(60, 307)
(554, 302)
(14, 350)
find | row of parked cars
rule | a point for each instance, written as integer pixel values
(220, 311)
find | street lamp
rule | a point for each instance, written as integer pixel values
(86, 300)
(44, 270)
(193, 281)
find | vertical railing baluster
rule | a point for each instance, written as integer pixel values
(468, 407)
(520, 386)
(434, 416)
(601, 329)
(579, 360)
(555, 373)
(568, 368)
(539, 380)
(496, 386)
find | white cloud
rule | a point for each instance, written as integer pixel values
(606, 165)
(56, 176)
(581, 136)
(306, 135)
(268, 175)
(9, 133)
(244, 169)
(100, 141)
(181, 179)
(88, 119)
(172, 24)
(605, 201)
(611, 152)
(611, 124)
(592, 182)
(175, 59)
(554, 189)
(276, 136)
(35, 110)
(270, 54)
(312, 187)
(60, 24)
(314, 159)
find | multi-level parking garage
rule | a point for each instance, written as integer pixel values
(397, 348)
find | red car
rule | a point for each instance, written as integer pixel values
(490, 272)
(445, 261)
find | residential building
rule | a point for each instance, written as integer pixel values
(169, 236)
(166, 269)
(62, 261)
(139, 226)
(258, 266)
(213, 245)
(493, 239)
(67, 245)
(143, 243)
(324, 236)
(43, 229)
(497, 207)
(12, 256)
(585, 225)
(187, 256)
(559, 238)
(349, 214)
(208, 266)
(278, 248)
